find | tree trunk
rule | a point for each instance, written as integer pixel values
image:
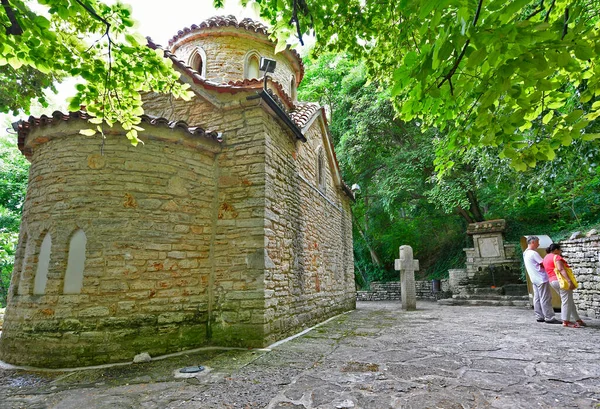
(464, 214)
(374, 257)
(474, 207)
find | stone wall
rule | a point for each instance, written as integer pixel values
(148, 214)
(189, 242)
(308, 257)
(583, 255)
(310, 266)
(390, 291)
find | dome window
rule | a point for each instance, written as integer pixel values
(197, 61)
(252, 66)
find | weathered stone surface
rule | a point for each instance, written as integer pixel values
(407, 266)
(576, 235)
(583, 255)
(377, 356)
(143, 357)
(176, 228)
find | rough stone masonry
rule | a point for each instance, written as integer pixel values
(229, 226)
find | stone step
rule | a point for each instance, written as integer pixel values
(492, 297)
(486, 290)
(484, 302)
(507, 289)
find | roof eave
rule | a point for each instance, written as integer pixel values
(282, 115)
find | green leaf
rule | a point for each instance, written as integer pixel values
(584, 51)
(513, 9)
(519, 165)
(547, 117)
(566, 139)
(476, 58)
(410, 59)
(590, 136)
(88, 132)
(573, 116)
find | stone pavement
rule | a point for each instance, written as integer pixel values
(375, 357)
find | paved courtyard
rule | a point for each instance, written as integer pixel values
(375, 357)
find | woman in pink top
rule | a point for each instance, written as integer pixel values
(567, 308)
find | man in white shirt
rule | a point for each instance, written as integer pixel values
(542, 297)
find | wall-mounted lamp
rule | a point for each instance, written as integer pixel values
(355, 188)
(268, 66)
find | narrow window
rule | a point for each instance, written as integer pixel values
(75, 264)
(293, 92)
(41, 275)
(321, 169)
(252, 68)
(197, 61)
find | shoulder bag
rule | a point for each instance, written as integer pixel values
(564, 285)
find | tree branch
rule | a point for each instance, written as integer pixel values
(462, 212)
(299, 4)
(474, 206)
(94, 14)
(15, 28)
(566, 25)
(536, 11)
(448, 76)
(294, 20)
(549, 11)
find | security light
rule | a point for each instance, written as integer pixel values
(355, 188)
(267, 65)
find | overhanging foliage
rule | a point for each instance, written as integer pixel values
(521, 75)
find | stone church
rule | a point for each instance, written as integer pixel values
(229, 226)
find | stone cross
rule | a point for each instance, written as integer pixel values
(407, 267)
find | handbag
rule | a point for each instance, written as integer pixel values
(564, 285)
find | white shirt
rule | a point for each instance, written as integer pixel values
(535, 268)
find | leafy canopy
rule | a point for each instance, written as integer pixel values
(485, 73)
(88, 39)
(14, 169)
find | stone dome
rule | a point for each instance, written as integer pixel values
(223, 50)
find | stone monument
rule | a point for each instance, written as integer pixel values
(491, 263)
(407, 267)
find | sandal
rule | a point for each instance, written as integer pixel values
(571, 324)
(581, 323)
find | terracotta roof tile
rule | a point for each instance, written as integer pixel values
(192, 130)
(222, 21)
(230, 21)
(23, 127)
(303, 112)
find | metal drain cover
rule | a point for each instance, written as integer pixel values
(192, 369)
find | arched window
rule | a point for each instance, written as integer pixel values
(75, 264)
(198, 61)
(293, 91)
(251, 66)
(41, 275)
(321, 169)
